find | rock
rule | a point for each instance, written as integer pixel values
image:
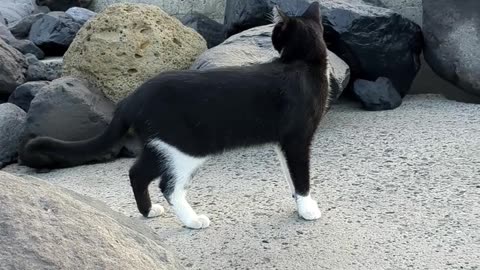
(48, 227)
(54, 33)
(213, 9)
(80, 15)
(212, 31)
(410, 9)
(12, 123)
(12, 70)
(63, 5)
(3, 20)
(377, 96)
(39, 71)
(24, 46)
(21, 29)
(127, 44)
(68, 109)
(254, 46)
(24, 94)
(452, 37)
(373, 41)
(14, 10)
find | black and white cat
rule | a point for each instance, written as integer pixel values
(183, 117)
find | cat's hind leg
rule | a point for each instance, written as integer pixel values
(142, 173)
(294, 157)
(180, 168)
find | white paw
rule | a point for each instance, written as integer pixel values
(308, 208)
(199, 222)
(155, 211)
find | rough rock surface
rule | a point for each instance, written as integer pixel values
(55, 63)
(452, 37)
(373, 41)
(127, 44)
(80, 15)
(213, 9)
(378, 95)
(39, 71)
(24, 94)
(63, 5)
(12, 70)
(47, 227)
(54, 32)
(254, 46)
(24, 46)
(212, 31)
(12, 123)
(411, 9)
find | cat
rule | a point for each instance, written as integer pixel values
(182, 117)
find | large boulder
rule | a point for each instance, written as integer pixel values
(213, 9)
(12, 123)
(212, 31)
(254, 46)
(47, 227)
(54, 32)
(452, 37)
(373, 41)
(127, 44)
(25, 93)
(411, 9)
(63, 5)
(21, 29)
(70, 109)
(12, 69)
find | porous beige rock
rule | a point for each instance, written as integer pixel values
(127, 44)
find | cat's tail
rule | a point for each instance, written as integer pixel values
(47, 152)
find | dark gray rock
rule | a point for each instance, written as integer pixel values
(80, 15)
(70, 109)
(378, 95)
(12, 70)
(47, 227)
(212, 31)
(24, 94)
(39, 71)
(24, 46)
(12, 123)
(21, 29)
(452, 37)
(373, 41)
(54, 32)
(63, 5)
(254, 46)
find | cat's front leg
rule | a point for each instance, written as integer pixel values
(178, 170)
(295, 160)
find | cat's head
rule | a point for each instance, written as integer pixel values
(299, 37)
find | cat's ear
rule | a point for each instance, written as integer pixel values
(278, 15)
(313, 12)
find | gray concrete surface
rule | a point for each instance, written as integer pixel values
(398, 189)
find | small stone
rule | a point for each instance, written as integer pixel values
(377, 96)
(38, 71)
(80, 15)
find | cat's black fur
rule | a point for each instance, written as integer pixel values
(206, 112)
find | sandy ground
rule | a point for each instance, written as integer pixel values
(398, 190)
